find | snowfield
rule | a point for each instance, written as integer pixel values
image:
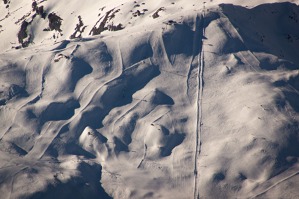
(149, 99)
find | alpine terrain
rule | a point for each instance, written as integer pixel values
(124, 99)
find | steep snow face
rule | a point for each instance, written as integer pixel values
(144, 99)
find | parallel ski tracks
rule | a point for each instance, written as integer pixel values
(199, 111)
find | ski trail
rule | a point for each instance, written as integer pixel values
(195, 51)
(11, 191)
(44, 141)
(120, 57)
(47, 136)
(144, 156)
(277, 183)
(251, 58)
(54, 128)
(199, 111)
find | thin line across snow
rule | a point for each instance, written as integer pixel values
(199, 111)
(277, 183)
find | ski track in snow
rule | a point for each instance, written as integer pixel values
(199, 109)
(171, 100)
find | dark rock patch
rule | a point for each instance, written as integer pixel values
(6, 2)
(34, 6)
(156, 14)
(139, 13)
(54, 22)
(38, 10)
(115, 28)
(79, 29)
(22, 35)
(104, 23)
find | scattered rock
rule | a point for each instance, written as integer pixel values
(6, 2)
(34, 6)
(79, 29)
(54, 22)
(115, 28)
(38, 10)
(104, 23)
(156, 14)
(22, 35)
(137, 13)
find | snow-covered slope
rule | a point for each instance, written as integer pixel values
(149, 99)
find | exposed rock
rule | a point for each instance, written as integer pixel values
(23, 34)
(54, 22)
(103, 23)
(156, 14)
(79, 29)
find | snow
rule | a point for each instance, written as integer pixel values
(199, 102)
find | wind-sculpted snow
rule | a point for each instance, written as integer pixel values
(262, 159)
(185, 100)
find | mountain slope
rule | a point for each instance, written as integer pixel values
(149, 99)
